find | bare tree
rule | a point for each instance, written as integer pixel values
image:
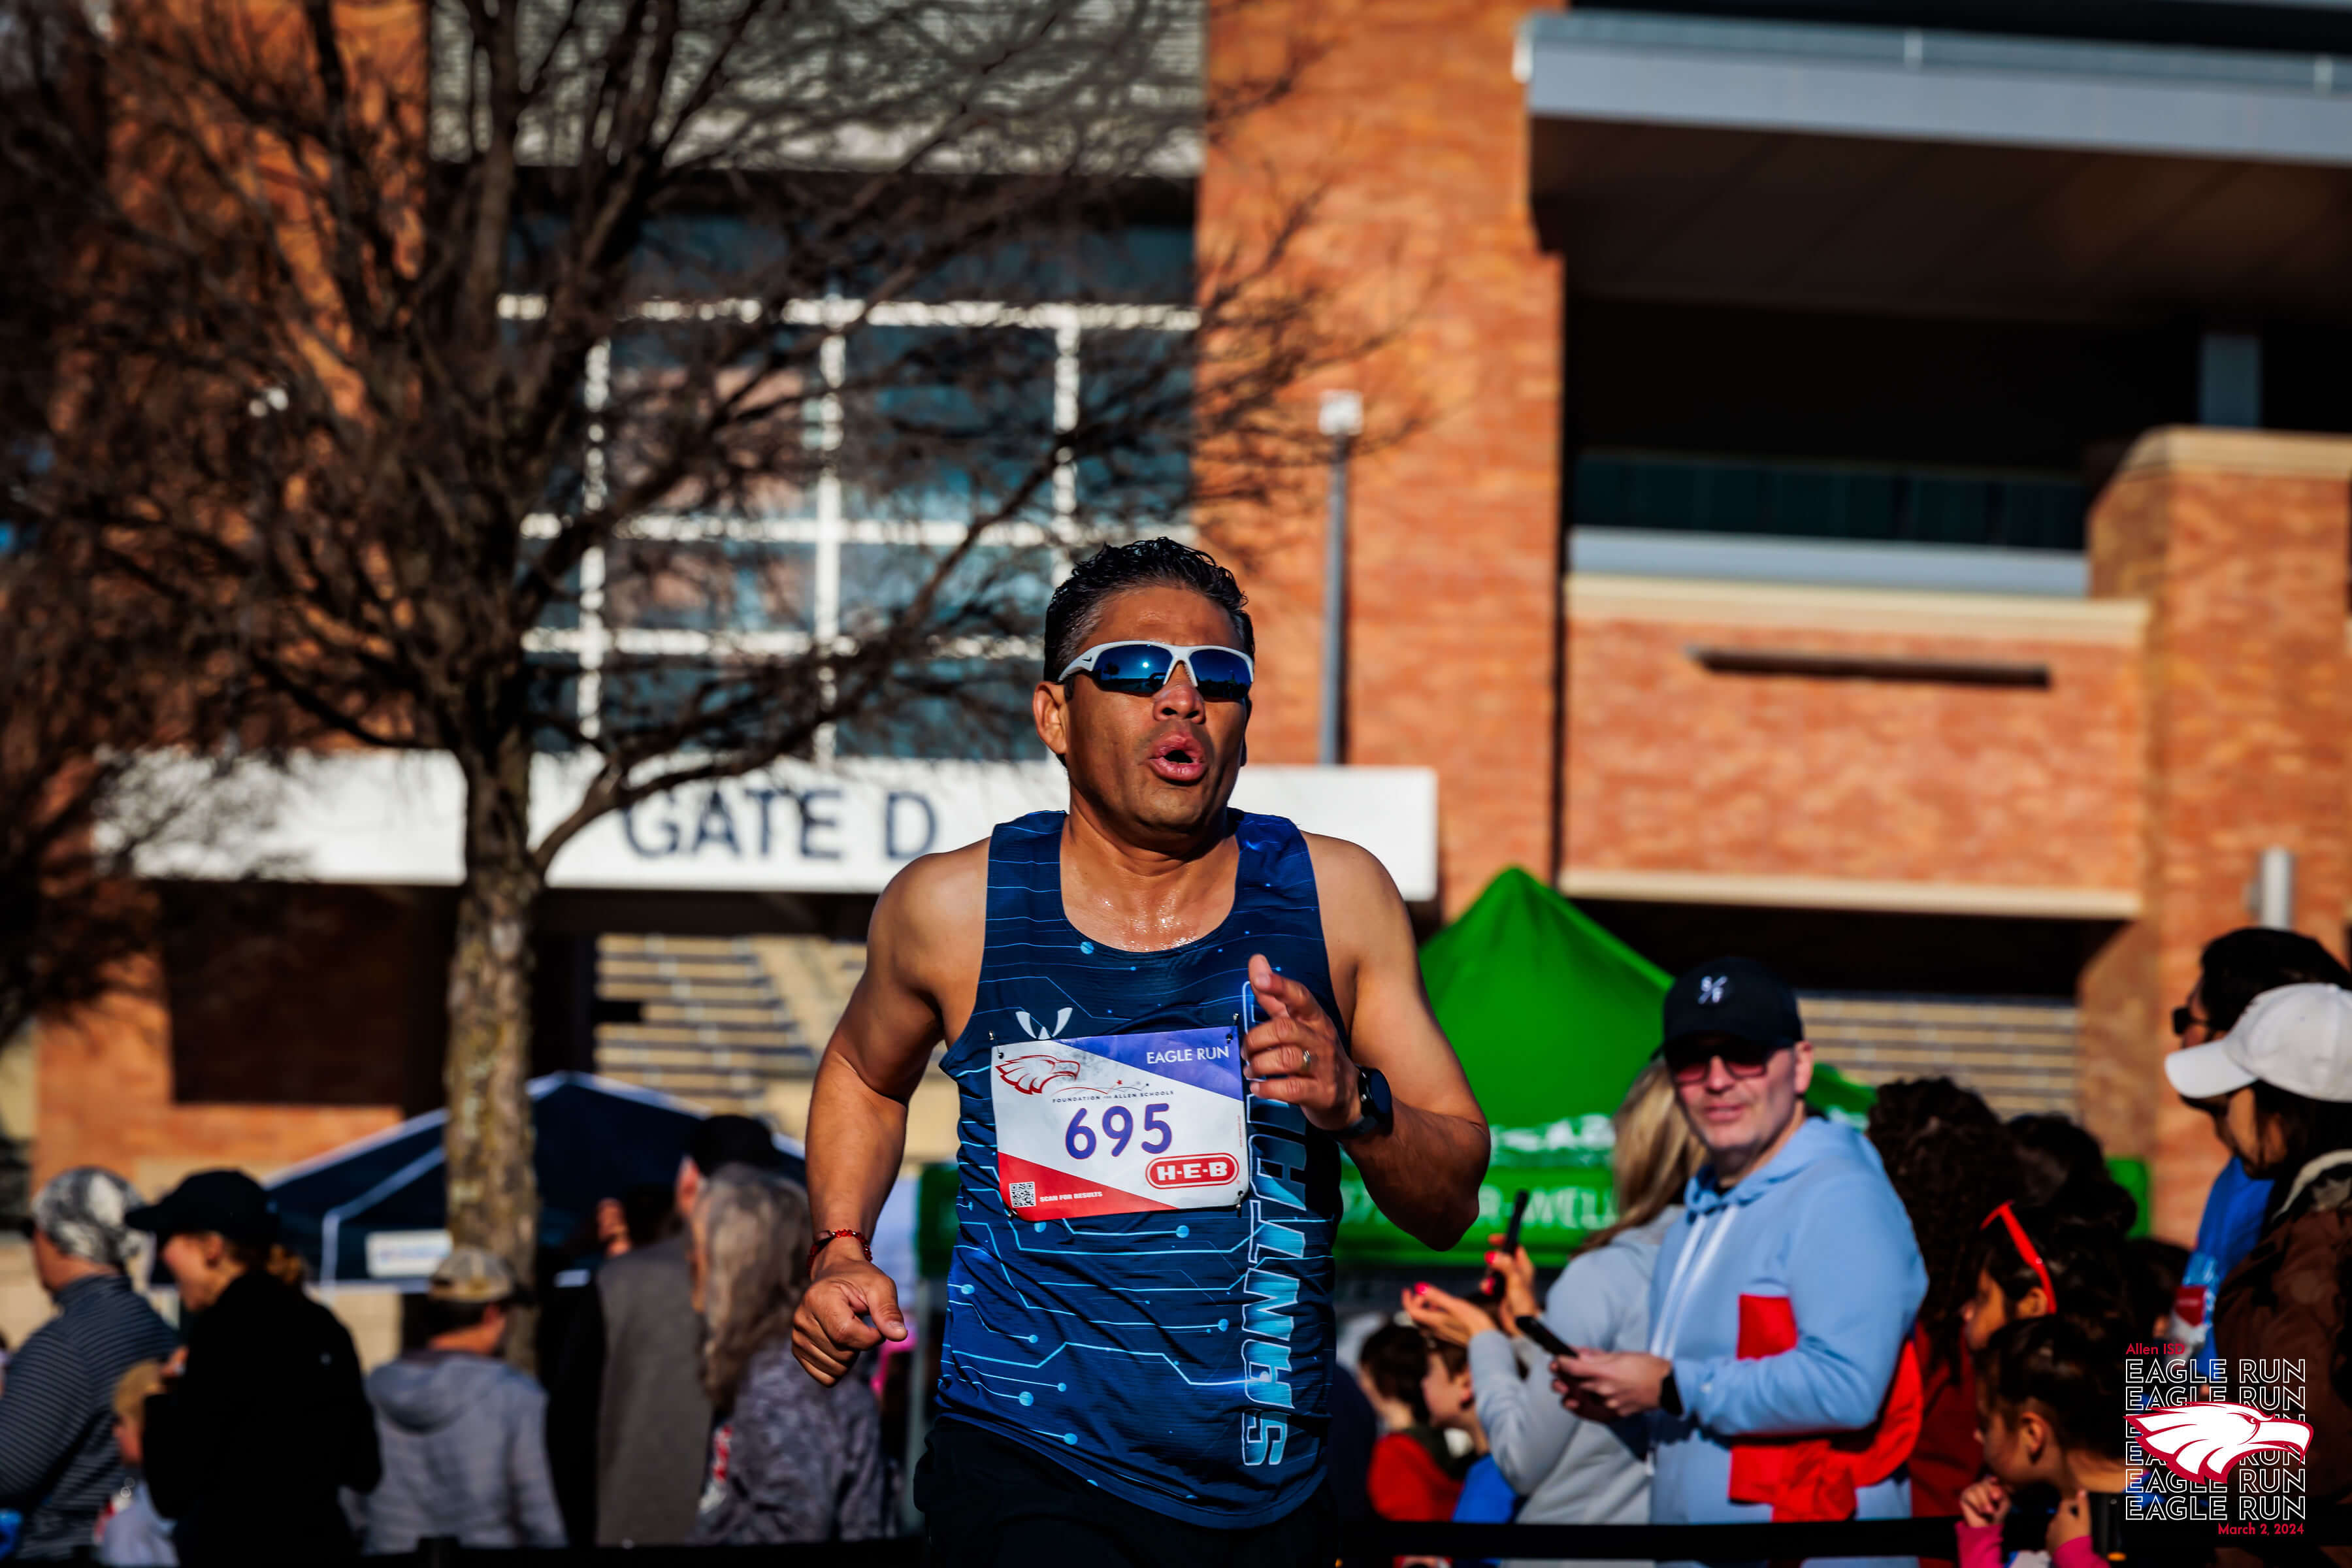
(401, 336)
(96, 674)
(94, 686)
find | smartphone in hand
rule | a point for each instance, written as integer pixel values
(1491, 1287)
(1536, 1329)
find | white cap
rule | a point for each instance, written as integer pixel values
(2298, 1037)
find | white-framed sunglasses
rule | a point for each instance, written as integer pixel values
(1141, 668)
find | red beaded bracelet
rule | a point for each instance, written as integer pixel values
(826, 1238)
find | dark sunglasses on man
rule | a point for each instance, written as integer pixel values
(1141, 668)
(1688, 1060)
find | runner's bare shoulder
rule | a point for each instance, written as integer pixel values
(1347, 875)
(1364, 918)
(930, 923)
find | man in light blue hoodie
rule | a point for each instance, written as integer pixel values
(1794, 1248)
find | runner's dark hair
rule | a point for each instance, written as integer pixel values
(2239, 965)
(2070, 1375)
(1075, 608)
(1952, 1162)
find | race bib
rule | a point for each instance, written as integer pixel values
(1120, 1123)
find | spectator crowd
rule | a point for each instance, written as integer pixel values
(1788, 1319)
(677, 1414)
(1791, 1320)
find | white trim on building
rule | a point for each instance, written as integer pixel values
(394, 818)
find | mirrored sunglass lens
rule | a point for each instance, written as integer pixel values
(1220, 675)
(1135, 666)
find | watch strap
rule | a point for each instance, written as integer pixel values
(1368, 1117)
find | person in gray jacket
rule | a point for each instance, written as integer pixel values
(461, 1432)
(1567, 1470)
(791, 1459)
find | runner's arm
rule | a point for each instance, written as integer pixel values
(1423, 1172)
(857, 1112)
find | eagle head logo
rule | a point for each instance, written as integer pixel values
(1032, 1073)
(2200, 1442)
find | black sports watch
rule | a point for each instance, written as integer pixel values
(1375, 1108)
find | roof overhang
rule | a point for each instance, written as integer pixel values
(1828, 165)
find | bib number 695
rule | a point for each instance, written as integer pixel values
(1118, 1126)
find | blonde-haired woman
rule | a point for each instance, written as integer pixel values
(1567, 1470)
(791, 1460)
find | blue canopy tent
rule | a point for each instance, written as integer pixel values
(376, 1212)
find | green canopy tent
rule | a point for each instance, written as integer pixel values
(1552, 1018)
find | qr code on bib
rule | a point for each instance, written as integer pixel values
(1024, 1194)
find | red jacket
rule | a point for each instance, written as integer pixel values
(1817, 1477)
(1951, 1455)
(1407, 1481)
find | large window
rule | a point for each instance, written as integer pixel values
(1847, 501)
(988, 384)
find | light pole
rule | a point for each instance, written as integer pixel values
(2271, 899)
(1342, 419)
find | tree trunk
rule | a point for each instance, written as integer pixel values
(493, 1192)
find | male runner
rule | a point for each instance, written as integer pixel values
(1155, 1009)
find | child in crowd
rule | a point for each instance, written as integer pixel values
(1952, 1161)
(131, 1534)
(1446, 1393)
(2051, 1398)
(1421, 1395)
(2040, 1262)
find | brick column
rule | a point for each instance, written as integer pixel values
(1411, 129)
(2238, 541)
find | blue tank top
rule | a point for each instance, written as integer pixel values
(1178, 1359)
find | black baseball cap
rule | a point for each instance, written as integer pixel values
(228, 1202)
(1736, 996)
(733, 1141)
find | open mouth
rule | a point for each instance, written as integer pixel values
(1178, 758)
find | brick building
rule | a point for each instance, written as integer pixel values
(1869, 502)
(1854, 520)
